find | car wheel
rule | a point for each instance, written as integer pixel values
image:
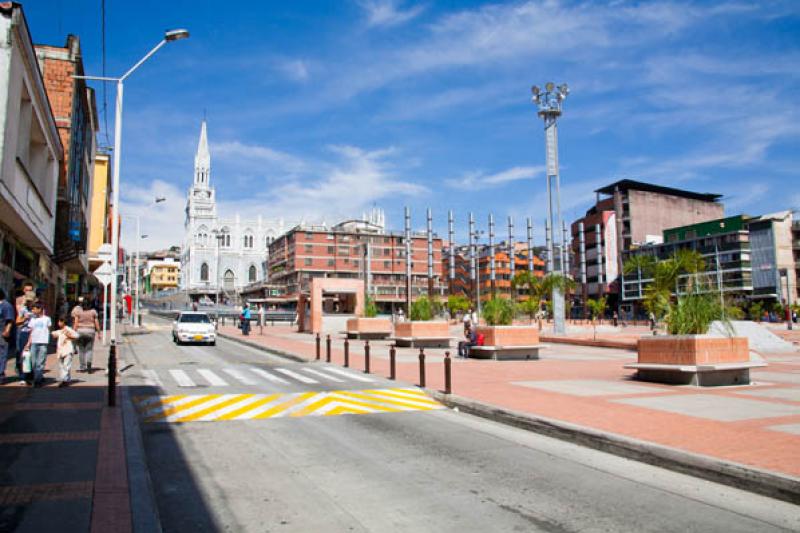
(213, 343)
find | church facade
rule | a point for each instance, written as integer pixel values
(220, 254)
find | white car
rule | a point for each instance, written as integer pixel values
(194, 326)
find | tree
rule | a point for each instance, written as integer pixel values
(421, 309)
(533, 286)
(498, 312)
(597, 308)
(458, 303)
(370, 309)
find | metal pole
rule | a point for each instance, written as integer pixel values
(582, 246)
(346, 352)
(478, 284)
(318, 346)
(409, 283)
(422, 367)
(112, 374)
(548, 246)
(567, 248)
(719, 281)
(448, 384)
(368, 268)
(328, 348)
(430, 253)
(512, 254)
(115, 223)
(392, 362)
(366, 357)
(136, 299)
(599, 247)
(531, 265)
(492, 274)
(452, 251)
(471, 228)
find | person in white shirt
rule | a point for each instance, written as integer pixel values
(64, 350)
(40, 325)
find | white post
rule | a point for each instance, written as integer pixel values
(115, 222)
(136, 300)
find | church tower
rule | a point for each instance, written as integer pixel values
(201, 202)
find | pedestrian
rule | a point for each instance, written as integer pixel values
(129, 306)
(85, 322)
(467, 319)
(615, 319)
(64, 350)
(245, 318)
(471, 339)
(7, 340)
(37, 342)
(400, 315)
(194, 305)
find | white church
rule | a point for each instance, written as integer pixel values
(220, 253)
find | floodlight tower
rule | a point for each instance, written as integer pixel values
(549, 103)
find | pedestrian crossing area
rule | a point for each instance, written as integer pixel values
(250, 376)
(181, 408)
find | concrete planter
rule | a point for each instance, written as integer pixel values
(428, 328)
(369, 328)
(509, 335)
(692, 350)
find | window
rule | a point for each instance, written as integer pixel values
(204, 272)
(309, 248)
(251, 273)
(386, 264)
(330, 249)
(331, 262)
(248, 241)
(228, 280)
(309, 236)
(307, 261)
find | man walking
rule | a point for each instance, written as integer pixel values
(38, 341)
(6, 331)
(246, 319)
(85, 322)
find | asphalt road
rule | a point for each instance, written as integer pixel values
(288, 469)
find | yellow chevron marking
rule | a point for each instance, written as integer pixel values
(185, 408)
(408, 403)
(285, 405)
(249, 407)
(194, 416)
(169, 410)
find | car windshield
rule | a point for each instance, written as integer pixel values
(196, 319)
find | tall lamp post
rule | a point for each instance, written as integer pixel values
(169, 36)
(549, 103)
(220, 236)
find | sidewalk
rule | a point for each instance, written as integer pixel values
(62, 457)
(756, 426)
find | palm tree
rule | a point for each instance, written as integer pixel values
(596, 308)
(533, 285)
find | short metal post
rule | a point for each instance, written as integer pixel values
(392, 364)
(448, 388)
(346, 353)
(366, 357)
(422, 367)
(318, 347)
(328, 349)
(112, 374)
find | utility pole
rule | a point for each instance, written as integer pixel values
(492, 273)
(472, 269)
(582, 246)
(430, 253)
(549, 104)
(408, 261)
(512, 255)
(451, 250)
(530, 246)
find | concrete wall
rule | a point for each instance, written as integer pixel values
(651, 213)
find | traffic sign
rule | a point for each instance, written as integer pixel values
(103, 273)
(104, 252)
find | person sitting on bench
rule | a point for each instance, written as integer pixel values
(465, 345)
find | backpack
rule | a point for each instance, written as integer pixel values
(480, 339)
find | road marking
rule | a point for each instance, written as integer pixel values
(266, 375)
(241, 377)
(350, 375)
(182, 378)
(212, 378)
(222, 407)
(322, 375)
(295, 375)
(151, 378)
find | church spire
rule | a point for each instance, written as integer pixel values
(202, 159)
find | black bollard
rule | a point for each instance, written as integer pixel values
(366, 357)
(112, 374)
(317, 346)
(447, 383)
(346, 353)
(422, 367)
(392, 365)
(328, 349)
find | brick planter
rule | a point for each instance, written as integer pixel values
(509, 335)
(369, 328)
(427, 328)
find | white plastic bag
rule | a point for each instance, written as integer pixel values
(26, 361)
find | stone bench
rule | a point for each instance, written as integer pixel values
(422, 342)
(367, 334)
(505, 353)
(704, 375)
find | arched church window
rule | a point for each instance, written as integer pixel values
(204, 272)
(228, 280)
(251, 273)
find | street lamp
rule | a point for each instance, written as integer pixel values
(220, 236)
(475, 238)
(169, 36)
(549, 104)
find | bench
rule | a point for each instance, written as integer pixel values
(422, 342)
(368, 334)
(699, 375)
(278, 317)
(505, 353)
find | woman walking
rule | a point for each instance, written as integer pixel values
(85, 322)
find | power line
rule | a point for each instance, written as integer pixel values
(103, 48)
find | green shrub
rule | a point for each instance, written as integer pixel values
(755, 311)
(498, 312)
(421, 309)
(693, 314)
(458, 303)
(370, 309)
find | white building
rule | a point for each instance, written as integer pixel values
(220, 252)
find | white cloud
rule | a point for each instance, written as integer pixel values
(296, 70)
(744, 198)
(480, 180)
(162, 222)
(233, 151)
(388, 12)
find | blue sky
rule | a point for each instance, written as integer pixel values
(322, 109)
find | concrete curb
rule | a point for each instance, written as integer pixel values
(602, 343)
(273, 351)
(735, 475)
(144, 511)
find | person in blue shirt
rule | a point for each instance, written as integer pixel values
(7, 317)
(246, 319)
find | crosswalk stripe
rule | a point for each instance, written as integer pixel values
(406, 394)
(151, 378)
(167, 410)
(243, 407)
(266, 375)
(323, 375)
(295, 375)
(160, 402)
(240, 376)
(259, 407)
(283, 406)
(182, 378)
(400, 403)
(394, 396)
(212, 408)
(349, 375)
(178, 413)
(212, 378)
